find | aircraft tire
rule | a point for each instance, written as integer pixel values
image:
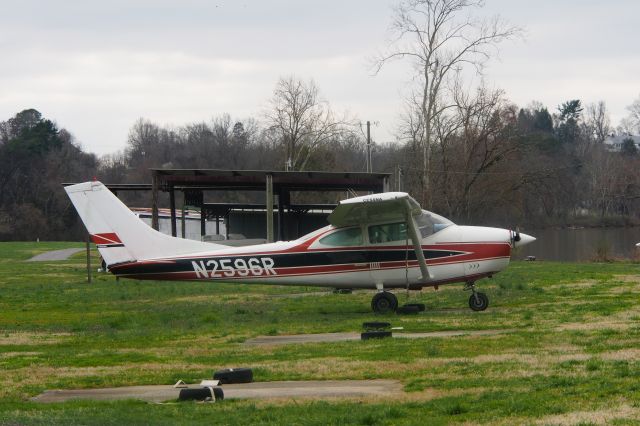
(376, 334)
(478, 301)
(234, 375)
(384, 302)
(200, 394)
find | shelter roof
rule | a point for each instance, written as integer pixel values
(256, 179)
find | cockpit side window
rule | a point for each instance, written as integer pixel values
(343, 238)
(388, 232)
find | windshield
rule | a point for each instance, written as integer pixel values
(430, 223)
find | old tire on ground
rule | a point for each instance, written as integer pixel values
(198, 394)
(374, 334)
(384, 302)
(407, 309)
(234, 375)
(375, 325)
(218, 393)
(421, 306)
(478, 301)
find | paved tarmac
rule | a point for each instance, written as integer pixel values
(55, 255)
(340, 337)
(260, 390)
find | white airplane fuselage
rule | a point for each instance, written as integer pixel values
(376, 241)
(453, 254)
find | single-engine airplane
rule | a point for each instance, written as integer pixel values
(379, 241)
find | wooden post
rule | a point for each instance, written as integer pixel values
(89, 258)
(269, 190)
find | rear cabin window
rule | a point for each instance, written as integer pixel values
(388, 232)
(344, 237)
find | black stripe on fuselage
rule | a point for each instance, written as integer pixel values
(288, 260)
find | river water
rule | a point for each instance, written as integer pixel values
(578, 245)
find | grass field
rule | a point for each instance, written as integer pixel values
(573, 359)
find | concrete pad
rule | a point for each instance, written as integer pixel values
(341, 337)
(261, 390)
(55, 255)
(302, 338)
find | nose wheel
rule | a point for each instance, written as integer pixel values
(384, 302)
(478, 301)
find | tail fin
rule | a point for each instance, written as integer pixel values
(119, 234)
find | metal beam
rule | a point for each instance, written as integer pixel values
(269, 191)
(203, 223)
(172, 207)
(155, 222)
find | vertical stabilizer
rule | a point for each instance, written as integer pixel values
(119, 234)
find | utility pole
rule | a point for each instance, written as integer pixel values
(369, 165)
(398, 178)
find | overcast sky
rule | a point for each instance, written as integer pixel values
(96, 67)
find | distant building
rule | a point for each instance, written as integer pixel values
(192, 222)
(614, 143)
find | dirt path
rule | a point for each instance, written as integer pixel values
(55, 255)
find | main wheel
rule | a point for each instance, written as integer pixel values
(384, 302)
(478, 301)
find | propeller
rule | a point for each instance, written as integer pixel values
(515, 236)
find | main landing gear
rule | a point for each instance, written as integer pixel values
(384, 302)
(477, 301)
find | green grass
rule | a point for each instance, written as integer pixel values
(574, 355)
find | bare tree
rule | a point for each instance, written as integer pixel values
(597, 121)
(474, 145)
(301, 120)
(442, 42)
(631, 123)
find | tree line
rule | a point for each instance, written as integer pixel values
(504, 165)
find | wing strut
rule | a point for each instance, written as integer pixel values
(417, 244)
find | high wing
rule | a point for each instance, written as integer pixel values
(385, 207)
